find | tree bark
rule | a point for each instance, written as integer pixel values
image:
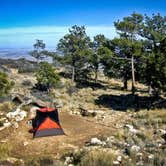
(133, 75)
(96, 76)
(125, 86)
(73, 74)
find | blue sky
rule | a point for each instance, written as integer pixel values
(23, 21)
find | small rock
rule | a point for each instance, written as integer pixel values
(161, 131)
(96, 141)
(126, 144)
(116, 162)
(1, 113)
(20, 116)
(139, 154)
(2, 128)
(3, 119)
(151, 156)
(131, 129)
(15, 125)
(140, 163)
(135, 148)
(164, 137)
(25, 143)
(119, 158)
(68, 160)
(12, 159)
(4, 141)
(7, 124)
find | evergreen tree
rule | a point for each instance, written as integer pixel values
(46, 77)
(100, 50)
(75, 47)
(153, 32)
(38, 52)
(5, 84)
(127, 46)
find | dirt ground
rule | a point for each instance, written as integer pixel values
(78, 130)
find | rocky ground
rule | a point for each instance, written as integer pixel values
(103, 125)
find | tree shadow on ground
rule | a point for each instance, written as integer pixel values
(65, 74)
(90, 84)
(129, 101)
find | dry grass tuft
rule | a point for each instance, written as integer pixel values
(5, 150)
(98, 158)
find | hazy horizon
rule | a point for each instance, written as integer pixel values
(24, 37)
(24, 21)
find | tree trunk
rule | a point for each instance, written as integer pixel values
(125, 80)
(125, 86)
(150, 90)
(73, 74)
(133, 75)
(96, 76)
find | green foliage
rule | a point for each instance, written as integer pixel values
(5, 84)
(144, 39)
(128, 28)
(154, 31)
(75, 47)
(38, 51)
(100, 51)
(43, 161)
(46, 76)
(124, 48)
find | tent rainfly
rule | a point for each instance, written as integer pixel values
(46, 123)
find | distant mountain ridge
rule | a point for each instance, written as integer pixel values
(17, 53)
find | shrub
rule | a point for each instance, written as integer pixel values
(5, 150)
(6, 106)
(42, 161)
(5, 84)
(46, 77)
(27, 83)
(98, 158)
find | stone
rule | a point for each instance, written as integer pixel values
(161, 131)
(1, 113)
(11, 115)
(119, 158)
(110, 139)
(96, 141)
(4, 140)
(131, 129)
(140, 154)
(25, 143)
(7, 124)
(12, 159)
(68, 160)
(21, 115)
(15, 125)
(140, 163)
(151, 156)
(129, 126)
(2, 128)
(18, 115)
(116, 162)
(2, 119)
(164, 137)
(135, 148)
(17, 99)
